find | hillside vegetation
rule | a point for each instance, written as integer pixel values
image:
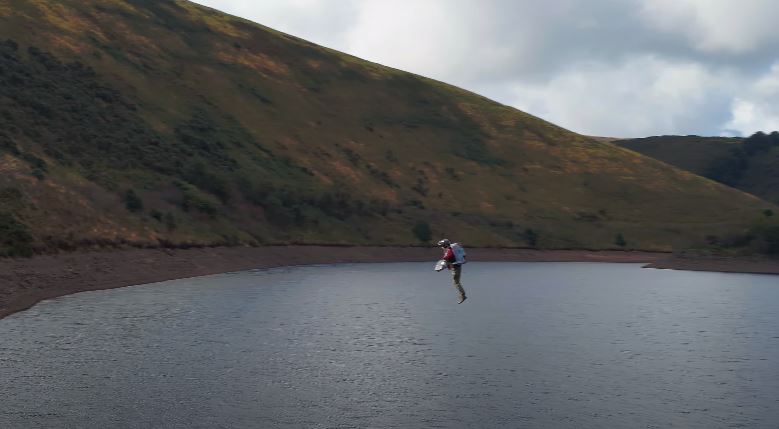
(164, 123)
(749, 164)
(695, 154)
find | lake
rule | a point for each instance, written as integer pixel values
(536, 345)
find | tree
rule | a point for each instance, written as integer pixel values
(757, 142)
(132, 201)
(620, 240)
(531, 237)
(730, 168)
(422, 231)
(15, 237)
(170, 221)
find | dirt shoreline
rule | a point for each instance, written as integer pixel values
(722, 264)
(25, 282)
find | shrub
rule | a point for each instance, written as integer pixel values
(194, 201)
(132, 201)
(10, 197)
(766, 239)
(619, 240)
(201, 176)
(15, 237)
(531, 237)
(170, 221)
(422, 232)
(156, 214)
(729, 169)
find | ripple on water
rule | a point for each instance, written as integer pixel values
(384, 345)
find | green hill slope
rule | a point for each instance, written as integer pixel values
(166, 123)
(692, 153)
(749, 164)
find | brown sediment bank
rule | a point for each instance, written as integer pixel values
(24, 282)
(722, 264)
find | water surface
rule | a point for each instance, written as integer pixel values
(536, 345)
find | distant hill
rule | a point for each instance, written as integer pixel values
(692, 153)
(749, 164)
(164, 123)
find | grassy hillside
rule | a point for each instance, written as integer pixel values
(748, 164)
(692, 153)
(151, 123)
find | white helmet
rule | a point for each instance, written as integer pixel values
(444, 243)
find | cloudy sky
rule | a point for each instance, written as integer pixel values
(622, 68)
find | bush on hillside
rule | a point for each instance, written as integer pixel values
(11, 197)
(760, 142)
(619, 240)
(132, 201)
(761, 238)
(206, 179)
(194, 200)
(531, 236)
(15, 237)
(765, 239)
(170, 221)
(731, 168)
(422, 231)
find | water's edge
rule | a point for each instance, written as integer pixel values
(25, 282)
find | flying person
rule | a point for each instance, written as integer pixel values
(454, 261)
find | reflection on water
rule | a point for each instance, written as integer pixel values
(568, 345)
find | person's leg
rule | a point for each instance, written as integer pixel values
(456, 273)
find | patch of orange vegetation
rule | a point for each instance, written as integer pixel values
(65, 18)
(219, 23)
(136, 40)
(5, 11)
(509, 121)
(70, 44)
(67, 195)
(109, 228)
(434, 174)
(289, 142)
(125, 7)
(158, 124)
(354, 145)
(322, 178)
(478, 116)
(533, 144)
(345, 170)
(387, 194)
(575, 160)
(256, 61)
(10, 164)
(486, 205)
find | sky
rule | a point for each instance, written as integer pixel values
(615, 68)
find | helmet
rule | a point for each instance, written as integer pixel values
(444, 243)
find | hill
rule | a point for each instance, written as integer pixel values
(748, 164)
(695, 154)
(164, 123)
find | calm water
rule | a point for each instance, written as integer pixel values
(536, 345)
